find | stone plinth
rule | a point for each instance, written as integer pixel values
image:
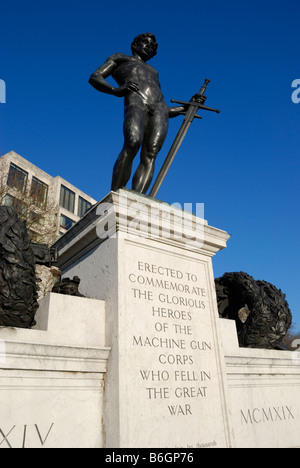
(264, 390)
(51, 377)
(152, 265)
(145, 360)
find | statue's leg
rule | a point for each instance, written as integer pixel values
(154, 138)
(133, 136)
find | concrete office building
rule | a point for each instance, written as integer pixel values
(54, 204)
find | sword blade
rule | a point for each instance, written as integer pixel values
(192, 111)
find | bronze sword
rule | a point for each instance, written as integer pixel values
(197, 102)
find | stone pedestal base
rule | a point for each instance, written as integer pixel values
(264, 391)
(145, 360)
(151, 263)
(51, 377)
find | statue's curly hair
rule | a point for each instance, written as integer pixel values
(142, 36)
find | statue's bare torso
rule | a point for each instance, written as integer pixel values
(144, 75)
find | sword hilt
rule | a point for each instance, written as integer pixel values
(199, 97)
(196, 104)
(202, 90)
(197, 101)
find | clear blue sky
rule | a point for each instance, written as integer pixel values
(243, 163)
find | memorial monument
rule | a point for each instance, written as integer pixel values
(130, 350)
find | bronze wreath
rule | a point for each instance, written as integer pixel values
(269, 316)
(18, 289)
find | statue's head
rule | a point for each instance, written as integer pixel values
(145, 46)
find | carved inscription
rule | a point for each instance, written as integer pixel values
(22, 434)
(267, 415)
(172, 299)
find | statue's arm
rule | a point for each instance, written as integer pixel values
(98, 78)
(175, 111)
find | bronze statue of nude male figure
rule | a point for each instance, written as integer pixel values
(146, 113)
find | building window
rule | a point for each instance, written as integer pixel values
(66, 222)
(83, 206)
(17, 178)
(39, 192)
(67, 198)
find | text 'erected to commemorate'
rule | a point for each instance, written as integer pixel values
(173, 303)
